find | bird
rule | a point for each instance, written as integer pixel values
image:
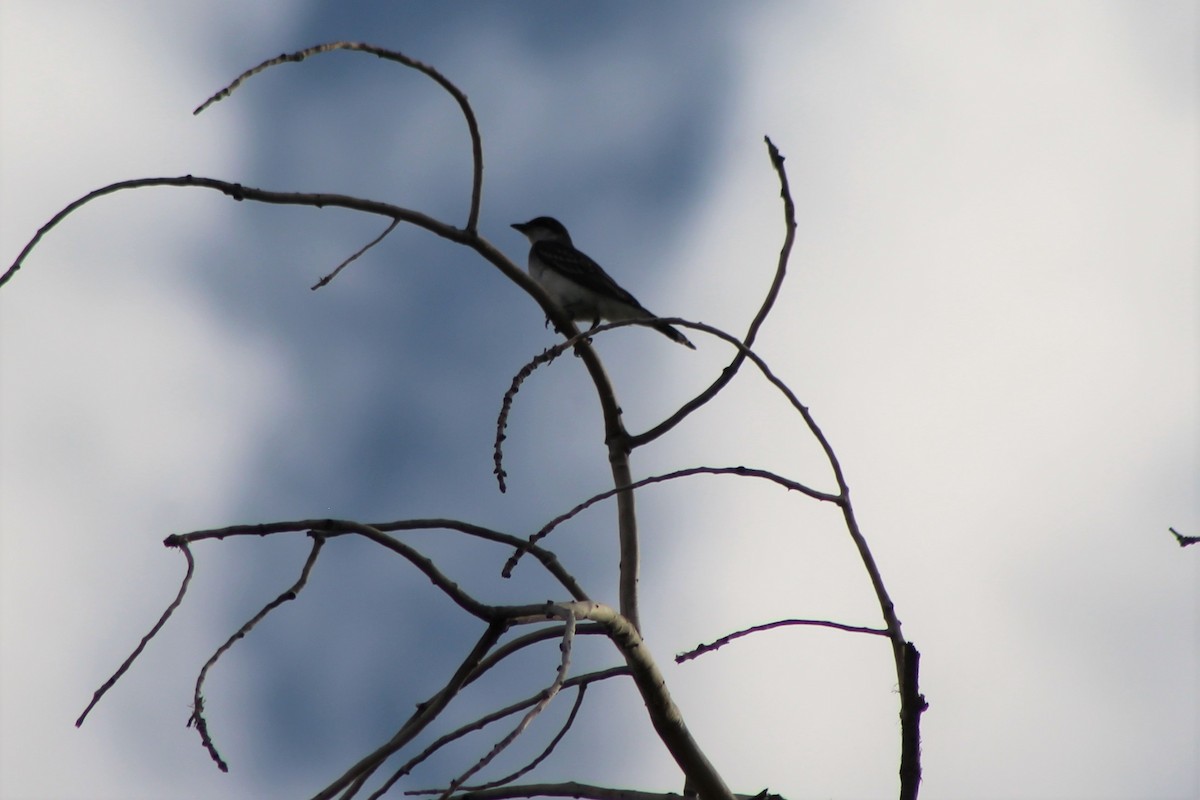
(579, 284)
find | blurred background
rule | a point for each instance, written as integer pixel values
(992, 308)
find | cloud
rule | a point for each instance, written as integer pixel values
(991, 310)
(994, 283)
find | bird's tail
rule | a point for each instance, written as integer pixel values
(673, 334)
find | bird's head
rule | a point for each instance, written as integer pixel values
(541, 229)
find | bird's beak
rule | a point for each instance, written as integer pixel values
(519, 226)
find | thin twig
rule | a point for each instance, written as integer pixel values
(521, 642)
(352, 780)
(137, 651)
(549, 749)
(545, 357)
(579, 680)
(547, 559)
(327, 278)
(197, 719)
(724, 640)
(568, 638)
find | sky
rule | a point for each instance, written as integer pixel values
(992, 309)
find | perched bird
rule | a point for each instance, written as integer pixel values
(578, 284)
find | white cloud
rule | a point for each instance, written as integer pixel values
(128, 406)
(992, 310)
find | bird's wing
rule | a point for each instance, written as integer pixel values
(577, 267)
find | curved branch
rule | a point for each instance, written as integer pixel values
(546, 751)
(579, 680)
(353, 779)
(696, 652)
(547, 558)
(389, 55)
(137, 651)
(746, 472)
(785, 252)
(614, 428)
(567, 615)
(197, 719)
(239, 192)
(545, 357)
(334, 527)
(521, 642)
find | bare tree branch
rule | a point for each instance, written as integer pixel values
(580, 680)
(548, 559)
(665, 716)
(912, 703)
(724, 640)
(747, 353)
(390, 55)
(197, 719)
(239, 192)
(567, 615)
(583, 790)
(521, 642)
(334, 527)
(620, 444)
(620, 625)
(325, 279)
(745, 472)
(727, 374)
(912, 706)
(352, 780)
(615, 434)
(137, 651)
(542, 756)
(545, 357)
(569, 789)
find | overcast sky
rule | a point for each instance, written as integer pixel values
(993, 310)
